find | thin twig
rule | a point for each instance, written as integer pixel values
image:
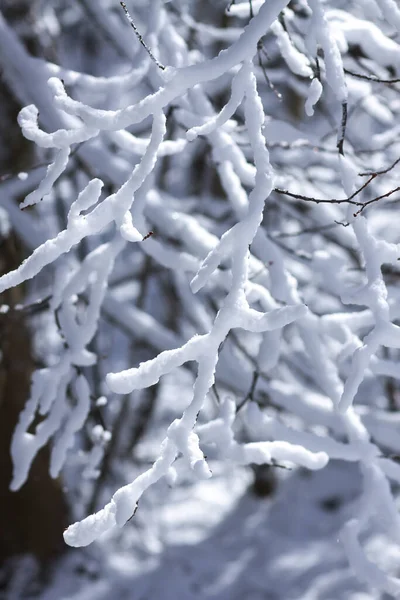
(28, 309)
(251, 9)
(251, 391)
(350, 199)
(376, 200)
(216, 393)
(260, 49)
(343, 129)
(140, 38)
(372, 78)
(39, 165)
(381, 172)
(316, 229)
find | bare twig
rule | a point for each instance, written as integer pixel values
(349, 200)
(251, 391)
(382, 171)
(343, 129)
(376, 200)
(140, 38)
(372, 78)
(316, 229)
(251, 9)
(260, 49)
(216, 393)
(27, 309)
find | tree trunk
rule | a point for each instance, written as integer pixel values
(32, 520)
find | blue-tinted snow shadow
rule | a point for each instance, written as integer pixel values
(284, 548)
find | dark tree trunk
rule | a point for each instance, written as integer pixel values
(32, 520)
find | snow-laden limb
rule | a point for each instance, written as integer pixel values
(50, 386)
(100, 438)
(204, 349)
(49, 390)
(365, 569)
(177, 81)
(321, 33)
(51, 250)
(62, 138)
(371, 39)
(263, 426)
(297, 62)
(89, 529)
(187, 442)
(219, 433)
(90, 277)
(256, 321)
(390, 11)
(111, 209)
(220, 252)
(326, 371)
(360, 362)
(54, 170)
(135, 145)
(223, 146)
(374, 295)
(122, 505)
(261, 453)
(149, 373)
(226, 112)
(97, 83)
(314, 94)
(376, 503)
(75, 421)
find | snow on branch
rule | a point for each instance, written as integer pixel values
(270, 303)
(93, 274)
(204, 349)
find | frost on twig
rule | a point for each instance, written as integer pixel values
(140, 38)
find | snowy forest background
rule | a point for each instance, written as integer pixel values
(199, 299)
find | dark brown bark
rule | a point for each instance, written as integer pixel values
(32, 520)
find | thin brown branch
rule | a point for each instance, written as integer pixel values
(372, 78)
(140, 38)
(376, 200)
(317, 200)
(250, 394)
(381, 172)
(343, 129)
(261, 50)
(316, 229)
(349, 200)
